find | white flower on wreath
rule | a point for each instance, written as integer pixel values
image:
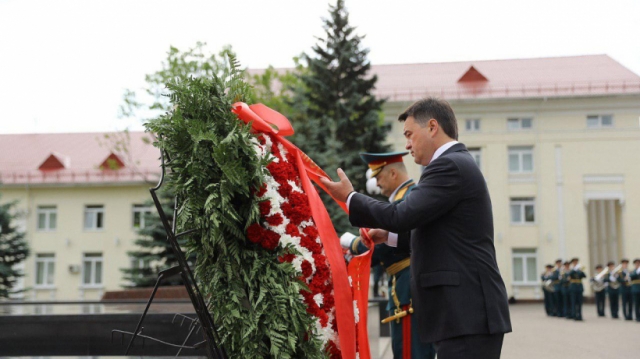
(356, 311)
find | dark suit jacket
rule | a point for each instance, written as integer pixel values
(456, 285)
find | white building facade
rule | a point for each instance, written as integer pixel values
(560, 154)
(80, 204)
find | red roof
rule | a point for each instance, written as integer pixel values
(81, 156)
(589, 75)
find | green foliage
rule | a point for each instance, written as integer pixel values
(194, 62)
(153, 248)
(336, 115)
(214, 170)
(277, 88)
(13, 250)
(153, 253)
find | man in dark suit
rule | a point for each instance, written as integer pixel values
(460, 300)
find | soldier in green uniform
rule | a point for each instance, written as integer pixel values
(564, 285)
(576, 288)
(391, 177)
(598, 287)
(635, 287)
(557, 289)
(625, 290)
(612, 290)
(547, 290)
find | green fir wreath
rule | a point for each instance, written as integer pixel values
(254, 298)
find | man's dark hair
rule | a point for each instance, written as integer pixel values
(558, 260)
(624, 260)
(599, 266)
(424, 110)
(611, 263)
(575, 259)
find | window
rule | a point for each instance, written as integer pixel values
(472, 125)
(475, 153)
(597, 121)
(522, 210)
(45, 265)
(140, 211)
(524, 123)
(47, 218)
(94, 217)
(521, 159)
(92, 269)
(525, 266)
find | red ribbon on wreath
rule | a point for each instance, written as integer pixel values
(266, 120)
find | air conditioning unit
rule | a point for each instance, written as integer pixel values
(74, 268)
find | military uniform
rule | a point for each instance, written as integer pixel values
(566, 300)
(599, 293)
(635, 288)
(549, 306)
(557, 292)
(612, 290)
(575, 292)
(625, 294)
(397, 265)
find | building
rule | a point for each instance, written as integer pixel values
(81, 197)
(558, 140)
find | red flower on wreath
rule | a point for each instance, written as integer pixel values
(265, 208)
(289, 213)
(255, 233)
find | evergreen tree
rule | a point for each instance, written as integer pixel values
(154, 252)
(341, 115)
(13, 250)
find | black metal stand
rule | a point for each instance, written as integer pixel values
(204, 319)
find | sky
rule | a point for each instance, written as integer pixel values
(64, 65)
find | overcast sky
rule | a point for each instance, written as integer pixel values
(64, 65)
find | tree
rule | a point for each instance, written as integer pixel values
(195, 62)
(13, 250)
(341, 116)
(154, 252)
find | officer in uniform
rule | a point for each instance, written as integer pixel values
(557, 289)
(548, 294)
(390, 175)
(576, 288)
(635, 287)
(564, 285)
(625, 290)
(612, 289)
(598, 287)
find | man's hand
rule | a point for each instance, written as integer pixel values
(378, 235)
(338, 190)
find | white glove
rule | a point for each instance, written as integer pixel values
(346, 239)
(372, 186)
(578, 267)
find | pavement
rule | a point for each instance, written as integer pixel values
(536, 336)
